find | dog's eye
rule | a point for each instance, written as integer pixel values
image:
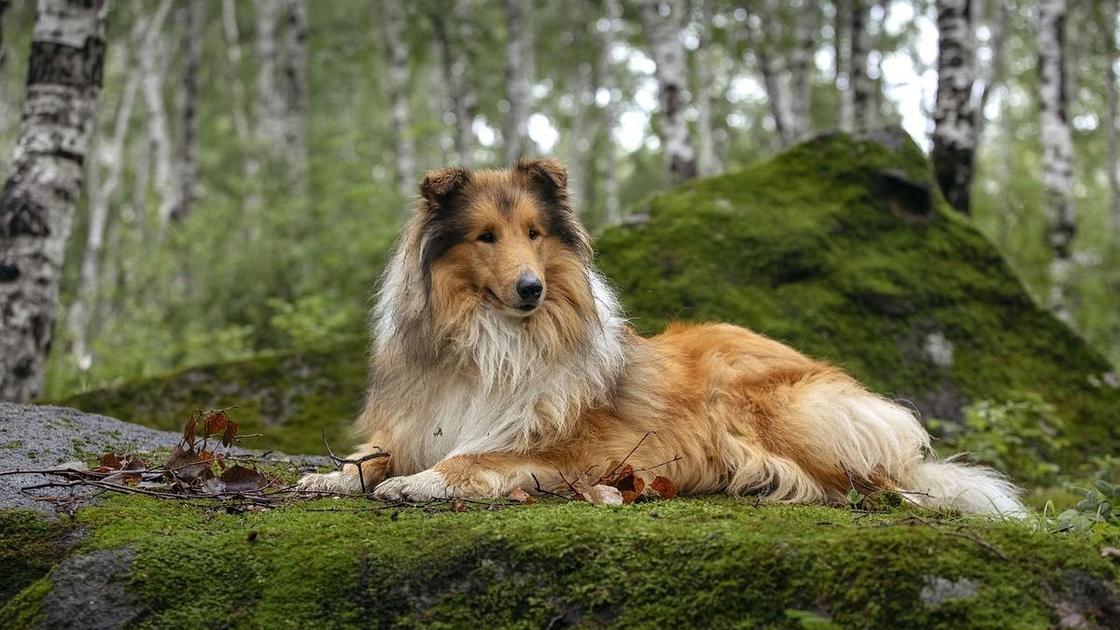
(533, 234)
(486, 237)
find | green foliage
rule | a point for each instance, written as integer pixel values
(312, 320)
(1022, 438)
(713, 562)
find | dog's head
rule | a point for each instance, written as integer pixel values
(506, 240)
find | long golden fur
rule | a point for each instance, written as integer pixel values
(477, 389)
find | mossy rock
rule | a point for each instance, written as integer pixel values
(290, 398)
(840, 247)
(843, 248)
(690, 563)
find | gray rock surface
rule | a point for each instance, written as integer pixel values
(37, 437)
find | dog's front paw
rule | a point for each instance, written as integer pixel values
(423, 486)
(336, 482)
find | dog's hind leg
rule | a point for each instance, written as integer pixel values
(475, 475)
(347, 479)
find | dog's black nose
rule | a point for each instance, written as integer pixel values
(529, 288)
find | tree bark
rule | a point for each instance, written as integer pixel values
(396, 47)
(188, 156)
(233, 71)
(519, 76)
(612, 11)
(663, 22)
(295, 92)
(110, 160)
(706, 161)
(954, 132)
(1057, 154)
(38, 200)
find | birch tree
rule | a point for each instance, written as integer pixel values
(608, 28)
(188, 146)
(393, 20)
(456, 59)
(772, 68)
(954, 132)
(706, 162)
(159, 136)
(38, 201)
(861, 86)
(268, 124)
(843, 54)
(1108, 32)
(105, 174)
(801, 67)
(519, 73)
(663, 21)
(295, 93)
(1057, 154)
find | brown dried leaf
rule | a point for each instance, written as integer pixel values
(458, 506)
(189, 431)
(230, 433)
(242, 479)
(110, 461)
(188, 465)
(663, 487)
(520, 496)
(215, 423)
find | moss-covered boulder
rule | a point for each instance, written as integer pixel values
(686, 563)
(840, 247)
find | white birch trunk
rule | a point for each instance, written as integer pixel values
(461, 88)
(38, 201)
(706, 161)
(188, 147)
(801, 68)
(579, 142)
(393, 21)
(519, 76)
(1057, 154)
(954, 133)
(110, 161)
(843, 53)
(999, 24)
(233, 70)
(1108, 28)
(295, 93)
(861, 85)
(151, 88)
(663, 22)
(269, 126)
(761, 31)
(608, 36)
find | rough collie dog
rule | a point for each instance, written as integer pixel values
(501, 360)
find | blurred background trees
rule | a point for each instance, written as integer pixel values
(252, 160)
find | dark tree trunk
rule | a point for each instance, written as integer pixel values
(38, 201)
(954, 133)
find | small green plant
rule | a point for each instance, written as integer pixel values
(313, 320)
(1100, 506)
(1019, 437)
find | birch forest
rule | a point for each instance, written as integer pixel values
(195, 181)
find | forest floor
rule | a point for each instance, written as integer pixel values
(714, 561)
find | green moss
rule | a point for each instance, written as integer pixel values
(26, 609)
(842, 248)
(713, 562)
(29, 546)
(838, 246)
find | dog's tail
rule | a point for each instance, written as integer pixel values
(970, 489)
(870, 434)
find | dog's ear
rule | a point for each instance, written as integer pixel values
(547, 175)
(440, 186)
